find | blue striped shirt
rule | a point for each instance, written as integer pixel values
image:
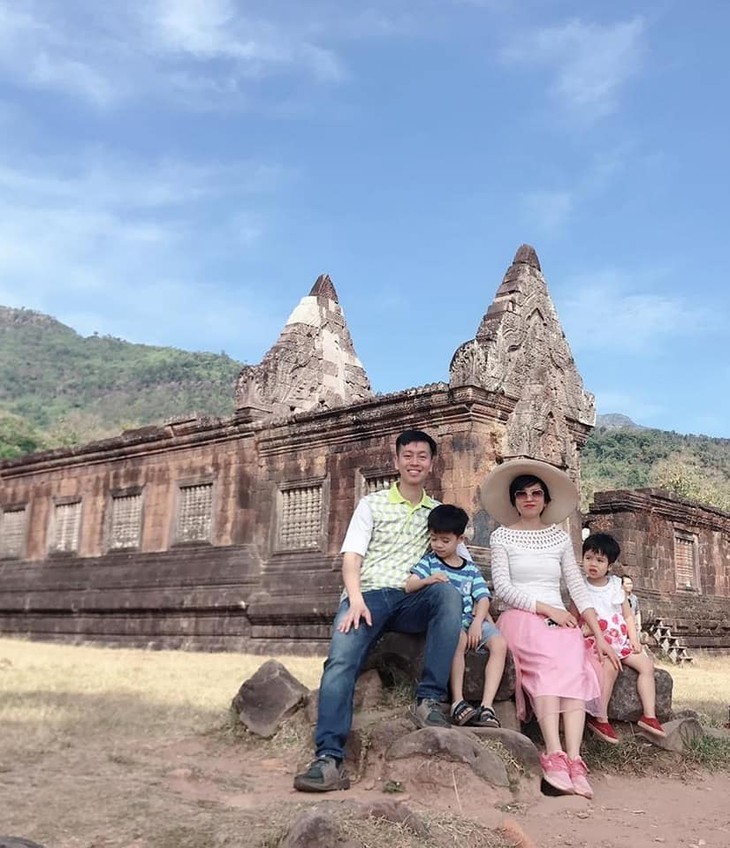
(467, 579)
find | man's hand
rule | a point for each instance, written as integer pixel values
(357, 612)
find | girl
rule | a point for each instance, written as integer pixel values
(616, 621)
(529, 557)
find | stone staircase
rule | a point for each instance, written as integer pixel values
(669, 644)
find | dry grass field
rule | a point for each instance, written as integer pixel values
(102, 748)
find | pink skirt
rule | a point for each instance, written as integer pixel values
(549, 661)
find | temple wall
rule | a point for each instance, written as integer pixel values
(263, 578)
(678, 554)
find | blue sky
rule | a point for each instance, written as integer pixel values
(179, 172)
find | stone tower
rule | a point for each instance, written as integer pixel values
(313, 365)
(520, 351)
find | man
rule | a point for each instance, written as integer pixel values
(387, 535)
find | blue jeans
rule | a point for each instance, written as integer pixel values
(435, 610)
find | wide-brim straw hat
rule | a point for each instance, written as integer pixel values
(495, 491)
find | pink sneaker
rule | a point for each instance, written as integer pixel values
(602, 729)
(555, 771)
(651, 725)
(578, 771)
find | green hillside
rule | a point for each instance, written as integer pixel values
(694, 467)
(59, 388)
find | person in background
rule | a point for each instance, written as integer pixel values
(628, 587)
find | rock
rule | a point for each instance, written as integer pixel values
(396, 812)
(368, 690)
(17, 842)
(368, 694)
(625, 704)
(313, 829)
(453, 746)
(399, 659)
(717, 732)
(681, 733)
(267, 698)
(507, 714)
(517, 744)
(474, 677)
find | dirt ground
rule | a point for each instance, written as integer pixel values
(194, 791)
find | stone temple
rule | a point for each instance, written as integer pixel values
(224, 533)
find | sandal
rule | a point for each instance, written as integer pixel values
(462, 713)
(484, 717)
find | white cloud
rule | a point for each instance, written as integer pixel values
(200, 52)
(107, 248)
(608, 312)
(589, 63)
(549, 210)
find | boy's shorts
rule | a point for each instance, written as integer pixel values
(488, 630)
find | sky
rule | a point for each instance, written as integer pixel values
(179, 172)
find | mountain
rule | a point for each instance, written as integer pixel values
(616, 421)
(630, 457)
(59, 388)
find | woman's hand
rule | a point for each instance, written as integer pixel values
(562, 617)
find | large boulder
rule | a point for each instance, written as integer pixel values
(268, 697)
(451, 745)
(625, 704)
(398, 657)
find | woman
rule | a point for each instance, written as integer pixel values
(529, 557)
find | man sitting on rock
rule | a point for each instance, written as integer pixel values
(388, 532)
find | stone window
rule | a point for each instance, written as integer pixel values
(685, 560)
(125, 527)
(195, 513)
(12, 532)
(300, 518)
(375, 481)
(66, 527)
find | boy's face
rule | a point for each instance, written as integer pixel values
(595, 565)
(413, 463)
(444, 544)
(628, 585)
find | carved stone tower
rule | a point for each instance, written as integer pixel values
(312, 366)
(520, 351)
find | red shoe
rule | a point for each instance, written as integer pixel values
(555, 771)
(651, 725)
(578, 771)
(602, 729)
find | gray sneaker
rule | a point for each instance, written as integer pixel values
(323, 775)
(428, 713)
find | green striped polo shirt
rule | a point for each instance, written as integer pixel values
(391, 535)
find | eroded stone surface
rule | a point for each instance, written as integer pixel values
(681, 734)
(520, 349)
(267, 698)
(625, 704)
(312, 366)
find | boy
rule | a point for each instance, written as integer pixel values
(442, 564)
(387, 534)
(616, 620)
